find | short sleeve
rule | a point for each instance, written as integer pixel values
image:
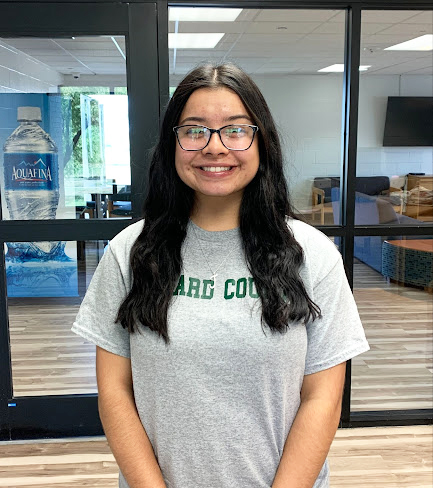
(96, 318)
(338, 335)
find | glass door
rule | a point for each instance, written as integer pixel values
(69, 87)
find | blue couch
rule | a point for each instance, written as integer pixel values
(368, 185)
(371, 210)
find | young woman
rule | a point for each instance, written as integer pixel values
(222, 323)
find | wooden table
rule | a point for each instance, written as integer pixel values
(409, 261)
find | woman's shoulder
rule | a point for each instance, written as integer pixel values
(122, 243)
(320, 252)
(310, 237)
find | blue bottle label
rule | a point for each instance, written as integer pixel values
(31, 171)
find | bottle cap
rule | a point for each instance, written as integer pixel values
(32, 114)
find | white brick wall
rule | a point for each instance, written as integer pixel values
(308, 111)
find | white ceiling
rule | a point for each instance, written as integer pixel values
(83, 55)
(261, 41)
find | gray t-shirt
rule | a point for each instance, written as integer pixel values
(217, 404)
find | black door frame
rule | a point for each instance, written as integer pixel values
(145, 26)
(77, 415)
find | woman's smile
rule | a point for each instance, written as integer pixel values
(216, 171)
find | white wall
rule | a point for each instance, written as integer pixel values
(20, 73)
(307, 110)
(308, 113)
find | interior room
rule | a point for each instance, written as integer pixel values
(82, 87)
(287, 52)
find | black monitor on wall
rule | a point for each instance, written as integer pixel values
(409, 121)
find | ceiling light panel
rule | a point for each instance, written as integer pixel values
(194, 41)
(422, 43)
(198, 14)
(339, 68)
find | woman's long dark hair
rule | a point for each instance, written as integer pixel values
(273, 255)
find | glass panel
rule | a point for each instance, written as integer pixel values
(393, 285)
(64, 130)
(289, 54)
(43, 300)
(395, 137)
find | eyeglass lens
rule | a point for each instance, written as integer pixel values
(194, 137)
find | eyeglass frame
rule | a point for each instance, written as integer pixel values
(213, 131)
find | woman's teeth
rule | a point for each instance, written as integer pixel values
(215, 169)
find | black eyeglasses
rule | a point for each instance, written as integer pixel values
(237, 137)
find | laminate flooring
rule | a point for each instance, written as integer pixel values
(398, 320)
(48, 359)
(384, 457)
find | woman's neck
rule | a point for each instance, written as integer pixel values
(216, 213)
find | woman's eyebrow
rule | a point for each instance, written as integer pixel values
(201, 120)
(240, 116)
(192, 119)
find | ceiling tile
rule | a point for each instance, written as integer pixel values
(282, 28)
(423, 71)
(270, 38)
(330, 28)
(368, 29)
(295, 15)
(73, 46)
(409, 30)
(387, 16)
(96, 53)
(421, 18)
(95, 39)
(340, 16)
(27, 42)
(382, 40)
(52, 58)
(36, 52)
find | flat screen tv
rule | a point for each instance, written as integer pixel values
(409, 122)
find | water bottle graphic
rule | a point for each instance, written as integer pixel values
(31, 183)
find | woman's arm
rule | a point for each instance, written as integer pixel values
(125, 433)
(313, 429)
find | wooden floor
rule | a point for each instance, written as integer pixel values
(47, 359)
(396, 373)
(392, 457)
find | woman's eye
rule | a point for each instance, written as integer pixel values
(235, 131)
(196, 131)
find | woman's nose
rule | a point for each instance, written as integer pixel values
(215, 145)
